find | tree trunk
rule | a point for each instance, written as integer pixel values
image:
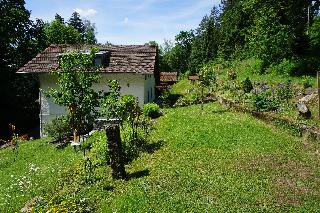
(115, 152)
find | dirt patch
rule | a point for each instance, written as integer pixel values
(291, 180)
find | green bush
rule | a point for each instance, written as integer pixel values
(247, 85)
(307, 81)
(232, 75)
(265, 101)
(314, 33)
(285, 92)
(99, 152)
(59, 129)
(285, 67)
(188, 100)
(168, 99)
(249, 66)
(151, 110)
(307, 66)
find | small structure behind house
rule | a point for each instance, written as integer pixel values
(167, 79)
(193, 78)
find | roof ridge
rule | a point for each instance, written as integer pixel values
(123, 58)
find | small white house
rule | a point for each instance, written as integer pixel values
(134, 66)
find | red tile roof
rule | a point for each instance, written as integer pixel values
(123, 58)
(193, 78)
(168, 76)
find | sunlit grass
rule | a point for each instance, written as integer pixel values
(210, 160)
(30, 171)
(216, 160)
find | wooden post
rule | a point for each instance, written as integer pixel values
(318, 85)
(115, 151)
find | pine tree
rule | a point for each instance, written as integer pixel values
(76, 22)
(59, 18)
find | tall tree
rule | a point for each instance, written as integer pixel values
(165, 56)
(89, 36)
(86, 29)
(76, 22)
(59, 18)
(180, 53)
(20, 41)
(59, 33)
(206, 42)
(234, 20)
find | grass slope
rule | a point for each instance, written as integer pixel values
(210, 160)
(215, 160)
(31, 171)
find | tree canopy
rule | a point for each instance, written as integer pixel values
(75, 31)
(21, 39)
(271, 31)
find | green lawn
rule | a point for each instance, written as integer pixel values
(215, 160)
(32, 171)
(210, 160)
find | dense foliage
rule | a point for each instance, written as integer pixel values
(21, 39)
(270, 31)
(75, 31)
(75, 92)
(151, 110)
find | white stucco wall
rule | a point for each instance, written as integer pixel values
(131, 84)
(149, 88)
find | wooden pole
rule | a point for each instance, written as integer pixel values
(115, 151)
(318, 85)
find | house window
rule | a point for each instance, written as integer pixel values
(98, 61)
(102, 58)
(148, 96)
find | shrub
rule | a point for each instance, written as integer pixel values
(168, 99)
(307, 81)
(285, 92)
(60, 128)
(151, 110)
(247, 85)
(232, 75)
(99, 152)
(285, 67)
(188, 100)
(265, 101)
(250, 66)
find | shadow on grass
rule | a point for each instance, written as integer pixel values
(108, 187)
(152, 147)
(136, 147)
(220, 111)
(138, 174)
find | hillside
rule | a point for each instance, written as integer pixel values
(197, 161)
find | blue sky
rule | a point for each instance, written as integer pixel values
(128, 21)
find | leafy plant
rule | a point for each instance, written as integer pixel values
(265, 101)
(285, 91)
(168, 99)
(75, 79)
(60, 128)
(307, 81)
(285, 67)
(151, 110)
(232, 75)
(110, 106)
(247, 85)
